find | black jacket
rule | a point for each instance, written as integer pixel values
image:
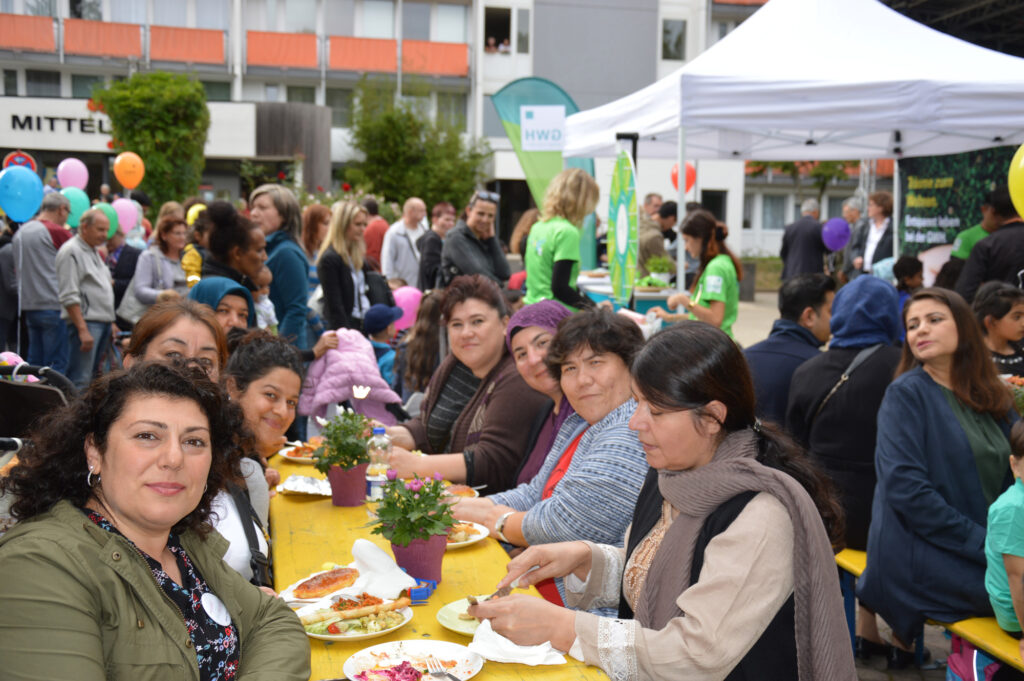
(772, 363)
(429, 245)
(214, 268)
(802, 248)
(340, 292)
(463, 253)
(859, 241)
(123, 271)
(998, 256)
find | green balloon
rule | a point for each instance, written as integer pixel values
(79, 204)
(111, 214)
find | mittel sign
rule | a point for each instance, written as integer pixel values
(86, 126)
(52, 124)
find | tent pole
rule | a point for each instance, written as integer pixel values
(680, 213)
(897, 195)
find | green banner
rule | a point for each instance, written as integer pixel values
(622, 228)
(533, 112)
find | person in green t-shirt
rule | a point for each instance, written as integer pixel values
(715, 295)
(1004, 545)
(552, 255)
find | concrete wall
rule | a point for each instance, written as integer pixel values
(598, 52)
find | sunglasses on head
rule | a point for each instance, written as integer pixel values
(493, 197)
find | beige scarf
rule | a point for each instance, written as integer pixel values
(822, 639)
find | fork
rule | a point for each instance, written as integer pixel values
(437, 670)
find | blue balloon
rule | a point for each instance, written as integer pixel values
(835, 233)
(21, 193)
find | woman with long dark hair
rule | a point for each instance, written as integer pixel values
(714, 296)
(941, 459)
(419, 353)
(733, 512)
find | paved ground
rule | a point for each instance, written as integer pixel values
(753, 323)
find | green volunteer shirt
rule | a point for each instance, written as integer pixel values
(550, 241)
(1004, 536)
(719, 282)
(965, 241)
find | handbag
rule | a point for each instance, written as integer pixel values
(262, 571)
(861, 357)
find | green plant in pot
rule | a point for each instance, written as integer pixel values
(342, 456)
(661, 267)
(415, 517)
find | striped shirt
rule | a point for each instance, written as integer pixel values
(456, 393)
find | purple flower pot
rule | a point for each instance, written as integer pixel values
(348, 485)
(422, 557)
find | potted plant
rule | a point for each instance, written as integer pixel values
(660, 267)
(415, 517)
(342, 456)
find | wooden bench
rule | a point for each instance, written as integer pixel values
(982, 632)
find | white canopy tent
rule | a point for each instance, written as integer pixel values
(818, 80)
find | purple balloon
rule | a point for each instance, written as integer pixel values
(72, 173)
(835, 233)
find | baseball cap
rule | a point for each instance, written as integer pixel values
(379, 316)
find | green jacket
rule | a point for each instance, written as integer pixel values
(78, 602)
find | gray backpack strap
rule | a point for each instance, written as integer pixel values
(861, 357)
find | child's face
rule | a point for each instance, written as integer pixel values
(915, 281)
(263, 291)
(391, 330)
(1011, 326)
(1017, 466)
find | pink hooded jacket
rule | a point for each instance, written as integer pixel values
(332, 378)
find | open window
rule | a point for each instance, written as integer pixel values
(497, 30)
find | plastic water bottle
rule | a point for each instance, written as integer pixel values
(378, 448)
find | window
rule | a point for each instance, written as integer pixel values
(300, 16)
(128, 11)
(41, 8)
(378, 19)
(748, 211)
(339, 17)
(340, 102)
(169, 14)
(451, 24)
(523, 31)
(215, 14)
(497, 30)
(835, 207)
(715, 200)
(417, 95)
(86, 9)
(415, 21)
(272, 93)
(673, 39)
(10, 82)
(304, 94)
(81, 86)
(451, 109)
(773, 212)
(217, 91)
(7, 6)
(42, 83)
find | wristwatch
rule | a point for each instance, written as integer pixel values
(499, 527)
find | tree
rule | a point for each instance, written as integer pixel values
(820, 173)
(406, 154)
(163, 118)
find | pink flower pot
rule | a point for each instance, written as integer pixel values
(422, 557)
(348, 485)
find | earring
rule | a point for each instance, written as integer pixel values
(88, 478)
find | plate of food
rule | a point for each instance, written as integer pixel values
(464, 534)
(461, 491)
(407, 661)
(301, 452)
(455, 618)
(320, 584)
(354, 618)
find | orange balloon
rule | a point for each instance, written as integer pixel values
(675, 176)
(129, 169)
(691, 176)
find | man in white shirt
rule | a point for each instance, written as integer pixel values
(399, 257)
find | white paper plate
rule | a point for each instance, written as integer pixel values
(287, 594)
(481, 534)
(406, 614)
(286, 452)
(467, 663)
(448, 616)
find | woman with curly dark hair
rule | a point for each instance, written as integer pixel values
(112, 571)
(733, 512)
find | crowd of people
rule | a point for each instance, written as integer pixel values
(678, 500)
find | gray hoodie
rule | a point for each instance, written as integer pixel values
(83, 279)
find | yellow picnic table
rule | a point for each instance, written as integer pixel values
(309, 531)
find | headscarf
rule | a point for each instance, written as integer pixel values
(865, 312)
(210, 290)
(546, 314)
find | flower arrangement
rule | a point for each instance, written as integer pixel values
(1017, 388)
(344, 441)
(413, 509)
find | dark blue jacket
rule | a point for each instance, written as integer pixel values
(772, 363)
(926, 545)
(289, 292)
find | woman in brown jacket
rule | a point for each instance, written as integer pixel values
(477, 412)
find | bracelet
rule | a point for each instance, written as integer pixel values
(500, 526)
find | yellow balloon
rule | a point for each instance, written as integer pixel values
(193, 213)
(1015, 180)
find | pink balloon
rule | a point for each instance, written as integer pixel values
(72, 173)
(127, 214)
(407, 298)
